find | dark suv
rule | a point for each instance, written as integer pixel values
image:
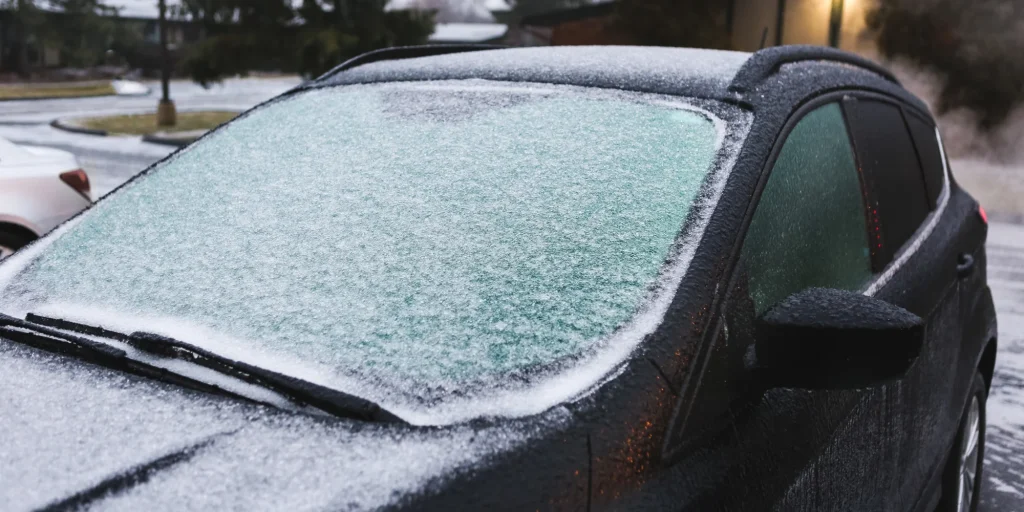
(467, 278)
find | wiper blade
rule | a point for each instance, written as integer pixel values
(38, 335)
(324, 398)
(329, 400)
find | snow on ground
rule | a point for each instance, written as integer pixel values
(129, 88)
(111, 161)
(232, 94)
(75, 142)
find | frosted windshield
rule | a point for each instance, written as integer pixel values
(421, 237)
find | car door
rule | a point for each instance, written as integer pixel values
(915, 253)
(812, 228)
(843, 206)
(797, 449)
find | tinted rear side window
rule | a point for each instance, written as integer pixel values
(892, 173)
(931, 157)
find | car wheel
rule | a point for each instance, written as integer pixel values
(10, 242)
(961, 482)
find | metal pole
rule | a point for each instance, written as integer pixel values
(165, 112)
(165, 64)
(835, 24)
(730, 15)
(21, 38)
(779, 17)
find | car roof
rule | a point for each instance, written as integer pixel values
(700, 73)
(680, 71)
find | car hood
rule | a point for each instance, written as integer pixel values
(77, 434)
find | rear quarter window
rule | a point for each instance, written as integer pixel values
(927, 143)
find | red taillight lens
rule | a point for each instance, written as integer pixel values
(78, 180)
(981, 212)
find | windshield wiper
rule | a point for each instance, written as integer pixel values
(329, 400)
(40, 336)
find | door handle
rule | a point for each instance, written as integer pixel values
(964, 265)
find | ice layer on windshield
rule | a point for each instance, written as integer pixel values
(411, 238)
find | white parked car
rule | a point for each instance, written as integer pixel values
(39, 189)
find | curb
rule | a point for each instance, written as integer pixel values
(58, 124)
(169, 141)
(179, 139)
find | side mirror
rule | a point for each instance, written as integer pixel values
(833, 339)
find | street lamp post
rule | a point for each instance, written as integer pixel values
(165, 112)
(780, 17)
(835, 23)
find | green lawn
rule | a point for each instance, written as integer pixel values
(28, 91)
(142, 124)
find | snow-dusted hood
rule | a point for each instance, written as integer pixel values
(80, 434)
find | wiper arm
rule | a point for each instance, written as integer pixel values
(38, 335)
(329, 400)
(56, 341)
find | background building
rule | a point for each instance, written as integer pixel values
(797, 22)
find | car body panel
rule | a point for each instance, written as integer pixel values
(626, 445)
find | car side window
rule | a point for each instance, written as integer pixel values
(893, 173)
(810, 225)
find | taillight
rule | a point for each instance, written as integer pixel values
(78, 180)
(981, 212)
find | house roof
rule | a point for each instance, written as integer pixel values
(145, 9)
(467, 32)
(486, 5)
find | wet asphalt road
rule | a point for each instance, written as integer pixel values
(1004, 454)
(112, 160)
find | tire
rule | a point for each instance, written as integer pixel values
(954, 481)
(11, 241)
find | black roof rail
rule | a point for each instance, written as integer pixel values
(766, 62)
(407, 52)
